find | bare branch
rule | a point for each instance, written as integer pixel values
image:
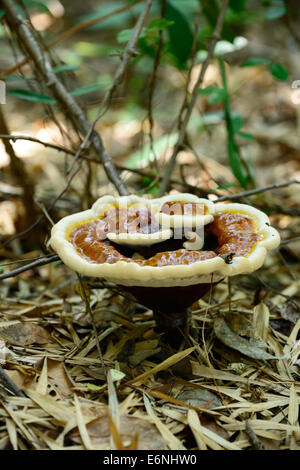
(76, 114)
(251, 192)
(70, 32)
(34, 264)
(15, 137)
(189, 107)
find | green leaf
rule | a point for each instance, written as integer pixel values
(87, 89)
(207, 90)
(38, 5)
(275, 12)
(159, 23)
(217, 96)
(2, 13)
(125, 35)
(65, 68)
(180, 34)
(236, 162)
(253, 61)
(245, 135)
(237, 123)
(216, 93)
(279, 71)
(31, 96)
(17, 78)
(238, 5)
(155, 25)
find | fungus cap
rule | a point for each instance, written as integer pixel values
(183, 207)
(238, 226)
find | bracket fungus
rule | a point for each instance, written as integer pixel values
(167, 252)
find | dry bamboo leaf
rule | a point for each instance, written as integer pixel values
(81, 425)
(261, 424)
(162, 366)
(4, 442)
(195, 426)
(292, 338)
(140, 356)
(12, 433)
(23, 334)
(234, 341)
(294, 403)
(208, 372)
(172, 441)
(25, 430)
(42, 384)
(58, 410)
(114, 412)
(261, 317)
(52, 444)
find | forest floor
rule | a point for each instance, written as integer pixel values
(233, 383)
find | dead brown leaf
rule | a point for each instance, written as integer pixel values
(199, 398)
(23, 334)
(100, 434)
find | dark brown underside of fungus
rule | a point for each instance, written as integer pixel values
(229, 233)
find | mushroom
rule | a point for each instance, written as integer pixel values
(128, 241)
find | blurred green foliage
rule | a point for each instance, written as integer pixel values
(177, 28)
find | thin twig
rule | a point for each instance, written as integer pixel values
(256, 443)
(137, 171)
(189, 107)
(269, 187)
(127, 55)
(152, 80)
(60, 148)
(42, 216)
(289, 240)
(70, 32)
(8, 385)
(34, 264)
(88, 307)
